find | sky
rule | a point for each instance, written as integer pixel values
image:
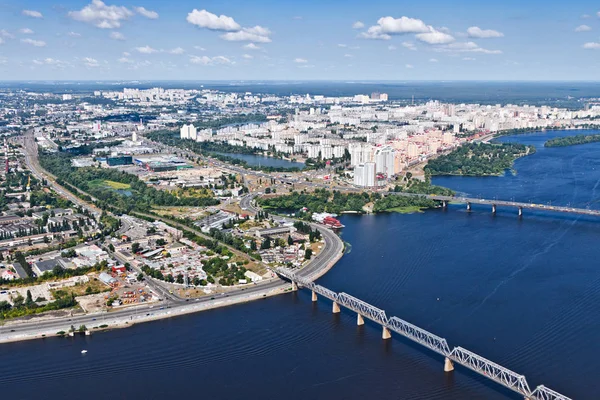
(299, 40)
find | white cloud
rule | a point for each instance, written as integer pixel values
(51, 61)
(117, 36)
(146, 13)
(409, 45)
(177, 50)
(26, 31)
(204, 60)
(205, 19)
(74, 34)
(300, 61)
(32, 14)
(36, 43)
(477, 32)
(248, 35)
(126, 54)
(146, 50)
(387, 26)
(468, 59)
(583, 28)
(435, 37)
(248, 56)
(409, 66)
(202, 48)
(433, 60)
(91, 62)
(342, 45)
(592, 45)
(101, 15)
(1, 40)
(471, 47)
(348, 55)
(6, 34)
(402, 25)
(374, 33)
(391, 47)
(358, 25)
(233, 31)
(251, 46)
(125, 60)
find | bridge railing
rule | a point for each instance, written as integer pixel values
(460, 355)
(491, 370)
(543, 393)
(421, 336)
(363, 308)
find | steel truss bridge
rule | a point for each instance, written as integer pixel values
(457, 355)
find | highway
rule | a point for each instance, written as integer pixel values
(32, 162)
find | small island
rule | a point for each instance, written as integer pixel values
(478, 159)
(572, 140)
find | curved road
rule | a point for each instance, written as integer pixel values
(319, 265)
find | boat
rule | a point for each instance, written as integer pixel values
(83, 351)
(332, 223)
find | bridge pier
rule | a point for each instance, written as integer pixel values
(448, 365)
(314, 296)
(520, 211)
(336, 308)
(468, 206)
(294, 286)
(493, 209)
(444, 204)
(359, 320)
(386, 333)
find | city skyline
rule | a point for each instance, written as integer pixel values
(266, 40)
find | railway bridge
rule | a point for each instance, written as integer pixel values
(455, 356)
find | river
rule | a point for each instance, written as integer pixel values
(522, 292)
(257, 160)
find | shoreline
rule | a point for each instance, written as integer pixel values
(127, 322)
(142, 314)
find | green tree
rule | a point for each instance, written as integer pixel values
(308, 254)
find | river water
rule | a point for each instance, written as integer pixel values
(258, 160)
(522, 292)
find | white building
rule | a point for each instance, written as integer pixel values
(188, 132)
(384, 161)
(364, 175)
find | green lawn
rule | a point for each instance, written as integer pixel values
(110, 184)
(405, 210)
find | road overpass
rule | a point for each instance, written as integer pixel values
(457, 355)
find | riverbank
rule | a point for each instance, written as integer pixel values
(572, 140)
(331, 252)
(102, 322)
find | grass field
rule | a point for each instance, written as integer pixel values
(110, 184)
(405, 210)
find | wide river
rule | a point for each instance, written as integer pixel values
(522, 292)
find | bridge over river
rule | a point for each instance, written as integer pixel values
(457, 355)
(469, 201)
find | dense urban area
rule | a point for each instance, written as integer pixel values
(113, 200)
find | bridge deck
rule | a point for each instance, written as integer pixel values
(505, 203)
(458, 355)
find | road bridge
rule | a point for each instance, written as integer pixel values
(457, 355)
(494, 204)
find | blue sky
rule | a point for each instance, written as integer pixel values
(298, 40)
